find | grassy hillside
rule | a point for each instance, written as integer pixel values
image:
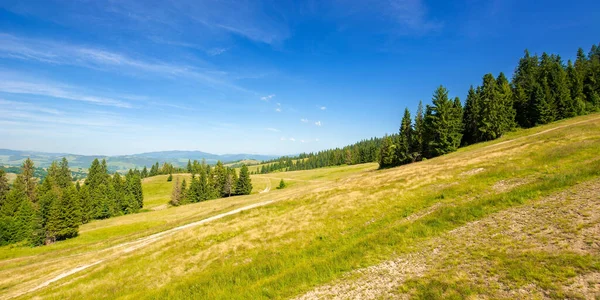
(513, 218)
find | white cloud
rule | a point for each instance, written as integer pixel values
(316, 140)
(282, 139)
(301, 141)
(322, 108)
(278, 109)
(304, 120)
(318, 123)
(14, 47)
(292, 139)
(267, 98)
(216, 51)
(272, 129)
(56, 91)
(24, 106)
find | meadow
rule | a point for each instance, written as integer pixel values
(512, 218)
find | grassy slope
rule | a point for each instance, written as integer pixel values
(328, 222)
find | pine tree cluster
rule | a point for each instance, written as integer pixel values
(210, 183)
(53, 210)
(542, 90)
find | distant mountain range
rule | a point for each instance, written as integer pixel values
(123, 162)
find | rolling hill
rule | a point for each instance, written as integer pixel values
(123, 162)
(512, 218)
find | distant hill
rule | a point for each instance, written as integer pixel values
(123, 162)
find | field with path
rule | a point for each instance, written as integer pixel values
(518, 217)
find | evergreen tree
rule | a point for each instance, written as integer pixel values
(170, 178)
(591, 82)
(184, 192)
(524, 81)
(15, 197)
(189, 167)
(27, 171)
(70, 214)
(64, 178)
(418, 133)
(576, 88)
(404, 151)
(144, 173)
(87, 209)
(508, 113)
(387, 155)
(471, 118)
(442, 133)
(281, 184)
(195, 192)
(491, 115)
(542, 109)
(244, 183)
(24, 221)
(4, 188)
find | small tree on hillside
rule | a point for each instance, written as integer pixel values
(281, 184)
(244, 183)
(170, 178)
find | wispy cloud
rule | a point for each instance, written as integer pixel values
(51, 52)
(322, 108)
(412, 15)
(318, 123)
(59, 91)
(304, 120)
(272, 129)
(216, 51)
(292, 139)
(267, 98)
(278, 108)
(25, 106)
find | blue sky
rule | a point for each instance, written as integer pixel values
(269, 77)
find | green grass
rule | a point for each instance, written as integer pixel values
(331, 221)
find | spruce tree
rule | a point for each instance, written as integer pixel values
(524, 80)
(27, 170)
(442, 132)
(244, 183)
(508, 113)
(387, 155)
(405, 151)
(87, 209)
(490, 122)
(418, 133)
(576, 88)
(282, 184)
(471, 117)
(4, 188)
(543, 110)
(184, 192)
(24, 221)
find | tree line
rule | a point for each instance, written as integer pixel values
(210, 183)
(362, 152)
(542, 90)
(42, 213)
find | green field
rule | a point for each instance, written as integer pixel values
(517, 217)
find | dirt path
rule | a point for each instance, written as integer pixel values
(137, 244)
